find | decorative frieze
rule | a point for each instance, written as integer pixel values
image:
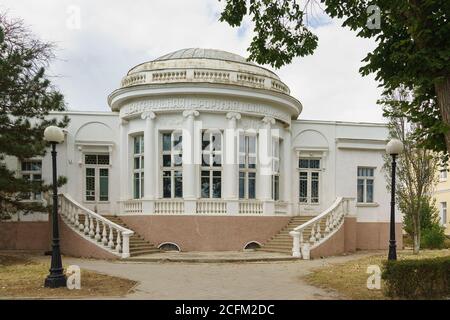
(136, 108)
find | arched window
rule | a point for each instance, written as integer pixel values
(211, 170)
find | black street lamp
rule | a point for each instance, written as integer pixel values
(394, 148)
(56, 277)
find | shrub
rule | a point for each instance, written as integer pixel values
(429, 215)
(433, 237)
(417, 279)
(447, 243)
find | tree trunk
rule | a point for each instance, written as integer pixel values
(416, 247)
(416, 232)
(442, 89)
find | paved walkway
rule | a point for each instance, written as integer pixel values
(252, 280)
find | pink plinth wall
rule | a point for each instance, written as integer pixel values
(355, 235)
(25, 235)
(197, 233)
(375, 235)
(206, 233)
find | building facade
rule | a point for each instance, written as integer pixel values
(200, 144)
(442, 197)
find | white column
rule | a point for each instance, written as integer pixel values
(189, 167)
(287, 172)
(265, 166)
(230, 166)
(125, 178)
(149, 162)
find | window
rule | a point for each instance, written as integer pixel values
(443, 174)
(32, 172)
(276, 169)
(172, 161)
(211, 172)
(247, 166)
(365, 185)
(309, 179)
(443, 213)
(96, 177)
(138, 167)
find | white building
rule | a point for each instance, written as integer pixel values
(204, 150)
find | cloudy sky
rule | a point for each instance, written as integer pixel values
(97, 47)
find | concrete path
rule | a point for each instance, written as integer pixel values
(252, 280)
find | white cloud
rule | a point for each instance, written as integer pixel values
(116, 35)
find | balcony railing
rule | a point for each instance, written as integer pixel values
(169, 206)
(250, 207)
(207, 206)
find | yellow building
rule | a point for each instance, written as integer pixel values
(442, 196)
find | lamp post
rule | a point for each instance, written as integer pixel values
(393, 148)
(56, 277)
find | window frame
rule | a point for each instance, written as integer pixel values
(365, 186)
(211, 169)
(309, 172)
(176, 171)
(443, 213)
(276, 168)
(443, 174)
(31, 196)
(249, 173)
(138, 173)
(97, 168)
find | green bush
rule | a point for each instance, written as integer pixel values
(429, 215)
(447, 243)
(433, 237)
(417, 279)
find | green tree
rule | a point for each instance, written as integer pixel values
(413, 48)
(416, 170)
(26, 98)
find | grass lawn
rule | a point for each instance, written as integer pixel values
(350, 278)
(21, 277)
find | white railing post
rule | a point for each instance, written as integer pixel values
(118, 241)
(333, 218)
(306, 249)
(126, 245)
(295, 244)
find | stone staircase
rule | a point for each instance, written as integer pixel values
(138, 245)
(282, 241)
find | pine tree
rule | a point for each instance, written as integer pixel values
(26, 99)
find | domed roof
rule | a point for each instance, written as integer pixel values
(216, 80)
(198, 53)
(204, 66)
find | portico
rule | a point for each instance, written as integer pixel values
(224, 118)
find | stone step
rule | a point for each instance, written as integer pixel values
(147, 251)
(279, 246)
(136, 240)
(278, 240)
(282, 241)
(138, 245)
(141, 247)
(275, 250)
